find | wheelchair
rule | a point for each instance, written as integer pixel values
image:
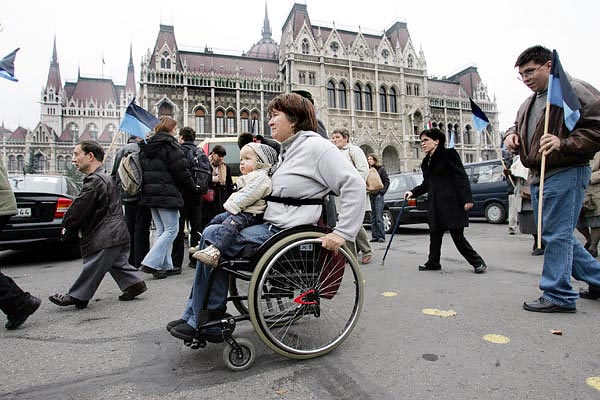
(303, 301)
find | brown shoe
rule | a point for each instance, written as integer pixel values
(64, 300)
(133, 291)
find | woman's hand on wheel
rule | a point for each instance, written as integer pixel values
(332, 241)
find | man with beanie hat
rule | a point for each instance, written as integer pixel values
(246, 206)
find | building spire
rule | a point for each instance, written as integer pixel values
(266, 30)
(130, 83)
(54, 80)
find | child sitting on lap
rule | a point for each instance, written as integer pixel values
(244, 207)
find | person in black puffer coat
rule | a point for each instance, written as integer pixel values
(165, 175)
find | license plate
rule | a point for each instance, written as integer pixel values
(23, 212)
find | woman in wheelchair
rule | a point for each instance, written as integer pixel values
(309, 168)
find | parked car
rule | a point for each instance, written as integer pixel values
(415, 211)
(42, 201)
(490, 191)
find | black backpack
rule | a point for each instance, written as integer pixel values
(199, 168)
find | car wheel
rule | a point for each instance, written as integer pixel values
(495, 213)
(388, 221)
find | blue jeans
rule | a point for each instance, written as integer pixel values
(564, 256)
(255, 234)
(377, 230)
(229, 227)
(166, 222)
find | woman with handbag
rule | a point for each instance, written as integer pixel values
(376, 197)
(220, 188)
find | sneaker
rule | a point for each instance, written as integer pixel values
(64, 300)
(209, 256)
(133, 291)
(30, 306)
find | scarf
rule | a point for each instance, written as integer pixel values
(219, 170)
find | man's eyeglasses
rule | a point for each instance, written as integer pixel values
(528, 73)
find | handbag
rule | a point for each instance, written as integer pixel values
(209, 196)
(374, 182)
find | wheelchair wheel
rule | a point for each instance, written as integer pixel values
(304, 301)
(235, 361)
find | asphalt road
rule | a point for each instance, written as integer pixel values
(121, 350)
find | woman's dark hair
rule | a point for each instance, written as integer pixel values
(435, 134)
(375, 158)
(297, 109)
(91, 146)
(166, 124)
(219, 150)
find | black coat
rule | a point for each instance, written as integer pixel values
(446, 181)
(165, 173)
(97, 214)
(384, 179)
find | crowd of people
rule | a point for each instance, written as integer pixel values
(290, 180)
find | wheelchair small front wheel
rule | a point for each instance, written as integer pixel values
(239, 360)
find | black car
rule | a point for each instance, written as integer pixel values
(490, 191)
(42, 201)
(415, 211)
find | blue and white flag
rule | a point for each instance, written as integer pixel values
(561, 94)
(7, 66)
(480, 120)
(137, 121)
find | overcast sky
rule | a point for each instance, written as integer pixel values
(453, 34)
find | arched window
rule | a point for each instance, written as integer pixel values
(220, 128)
(199, 120)
(305, 46)
(342, 95)
(230, 122)
(60, 163)
(383, 99)
(368, 98)
(245, 117)
(358, 105)
(255, 125)
(331, 103)
(12, 163)
(20, 163)
(393, 105)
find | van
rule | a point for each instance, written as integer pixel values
(232, 159)
(490, 190)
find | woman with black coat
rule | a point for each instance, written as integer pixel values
(450, 199)
(165, 174)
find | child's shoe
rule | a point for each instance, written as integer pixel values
(209, 256)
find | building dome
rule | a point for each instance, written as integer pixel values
(266, 47)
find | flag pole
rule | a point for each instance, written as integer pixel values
(114, 140)
(542, 175)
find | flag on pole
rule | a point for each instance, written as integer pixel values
(561, 94)
(480, 120)
(7, 66)
(137, 121)
(451, 143)
(429, 125)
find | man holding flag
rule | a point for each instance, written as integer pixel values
(557, 132)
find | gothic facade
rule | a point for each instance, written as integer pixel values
(375, 85)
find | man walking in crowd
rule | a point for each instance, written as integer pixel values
(341, 139)
(14, 302)
(137, 217)
(96, 214)
(192, 204)
(567, 173)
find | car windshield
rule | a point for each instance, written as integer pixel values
(42, 184)
(404, 182)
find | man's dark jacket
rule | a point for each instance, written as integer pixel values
(97, 214)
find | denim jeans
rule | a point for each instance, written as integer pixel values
(564, 256)
(166, 222)
(229, 227)
(255, 234)
(377, 230)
